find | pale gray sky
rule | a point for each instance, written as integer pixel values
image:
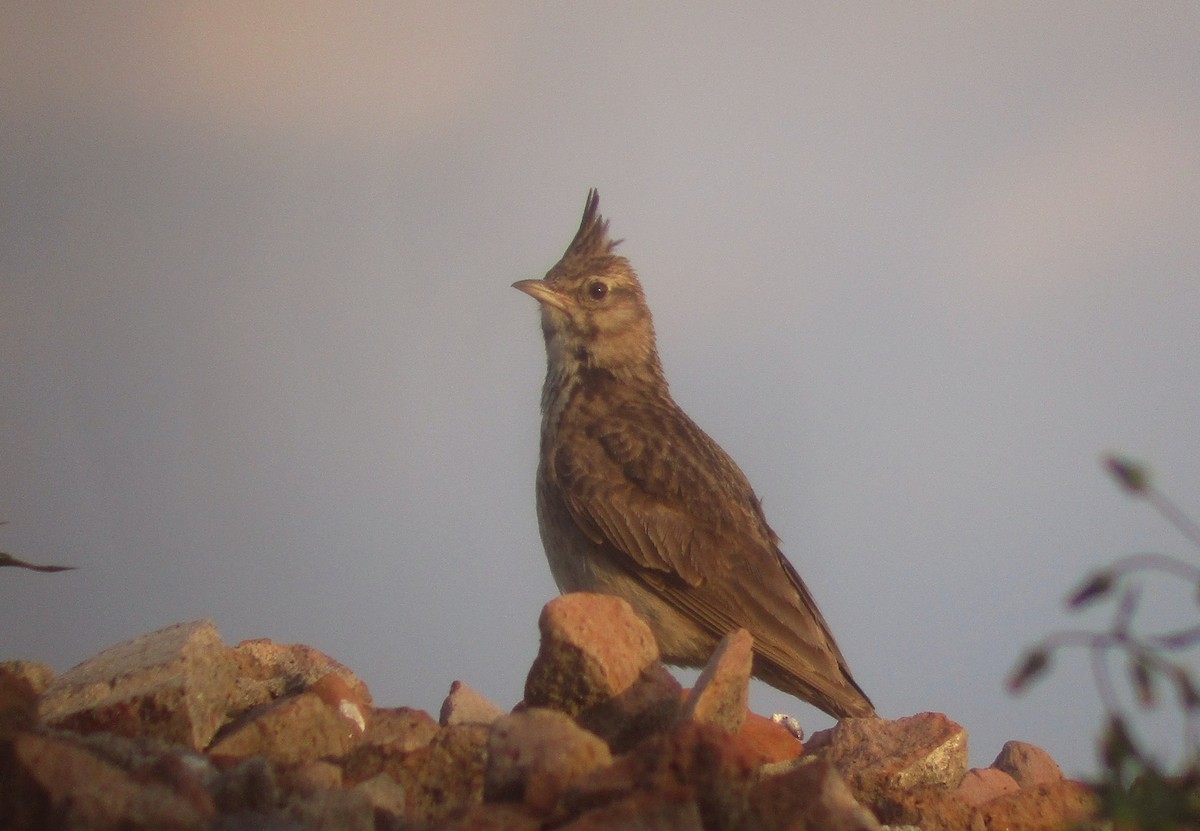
(916, 268)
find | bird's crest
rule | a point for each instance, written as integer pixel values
(591, 240)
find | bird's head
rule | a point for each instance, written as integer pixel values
(594, 314)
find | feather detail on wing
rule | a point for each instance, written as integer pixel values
(653, 487)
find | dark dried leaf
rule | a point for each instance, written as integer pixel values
(1032, 665)
(1142, 677)
(1130, 475)
(1189, 698)
(1096, 586)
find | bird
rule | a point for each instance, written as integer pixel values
(635, 500)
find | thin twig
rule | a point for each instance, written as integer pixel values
(1174, 515)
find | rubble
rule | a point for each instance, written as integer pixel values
(175, 683)
(176, 730)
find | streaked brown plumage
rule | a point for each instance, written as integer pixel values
(635, 500)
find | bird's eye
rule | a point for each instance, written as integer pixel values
(597, 290)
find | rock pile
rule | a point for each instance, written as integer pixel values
(175, 730)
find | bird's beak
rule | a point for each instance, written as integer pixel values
(541, 291)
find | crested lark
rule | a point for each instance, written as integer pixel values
(635, 500)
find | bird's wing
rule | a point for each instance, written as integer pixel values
(647, 482)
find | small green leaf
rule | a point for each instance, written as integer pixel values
(1116, 746)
